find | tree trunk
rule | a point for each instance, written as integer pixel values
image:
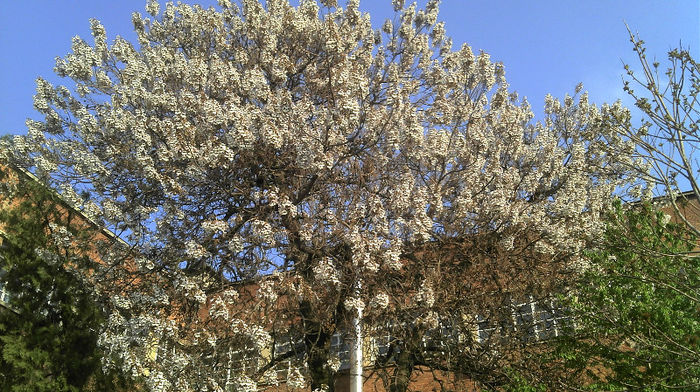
(317, 343)
(402, 373)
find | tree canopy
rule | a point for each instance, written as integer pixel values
(636, 309)
(49, 331)
(271, 167)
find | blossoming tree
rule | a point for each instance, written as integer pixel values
(301, 145)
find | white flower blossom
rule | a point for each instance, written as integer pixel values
(426, 295)
(325, 271)
(195, 250)
(214, 226)
(665, 219)
(380, 300)
(354, 304)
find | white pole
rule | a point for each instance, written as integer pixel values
(356, 349)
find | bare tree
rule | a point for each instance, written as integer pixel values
(667, 139)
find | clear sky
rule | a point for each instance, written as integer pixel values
(547, 46)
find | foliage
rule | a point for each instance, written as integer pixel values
(265, 162)
(637, 309)
(48, 335)
(667, 139)
(519, 383)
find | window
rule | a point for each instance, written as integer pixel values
(4, 294)
(284, 346)
(484, 329)
(340, 348)
(531, 319)
(443, 337)
(494, 326)
(551, 319)
(383, 344)
(243, 360)
(540, 320)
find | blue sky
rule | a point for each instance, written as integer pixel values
(547, 46)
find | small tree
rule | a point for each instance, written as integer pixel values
(668, 139)
(48, 333)
(637, 308)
